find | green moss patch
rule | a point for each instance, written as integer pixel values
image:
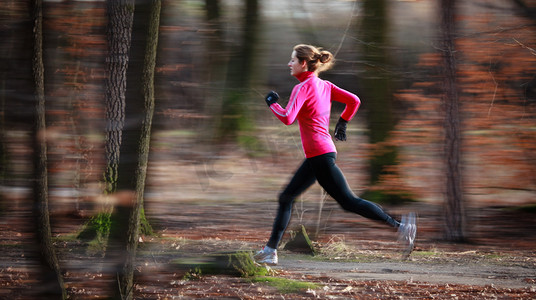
(284, 285)
(238, 263)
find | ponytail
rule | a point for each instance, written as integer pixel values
(317, 60)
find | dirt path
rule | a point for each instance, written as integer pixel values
(482, 274)
(358, 258)
(501, 253)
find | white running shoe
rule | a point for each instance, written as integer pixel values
(407, 232)
(266, 257)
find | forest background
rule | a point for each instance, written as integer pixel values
(213, 142)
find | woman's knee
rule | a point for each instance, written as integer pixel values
(285, 199)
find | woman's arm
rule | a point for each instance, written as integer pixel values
(288, 114)
(351, 100)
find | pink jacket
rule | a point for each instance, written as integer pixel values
(310, 103)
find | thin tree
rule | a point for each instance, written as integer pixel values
(50, 268)
(135, 145)
(454, 204)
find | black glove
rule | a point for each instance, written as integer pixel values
(340, 130)
(271, 98)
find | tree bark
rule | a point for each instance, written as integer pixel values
(52, 278)
(120, 15)
(120, 18)
(134, 158)
(454, 204)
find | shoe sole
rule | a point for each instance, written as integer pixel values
(259, 261)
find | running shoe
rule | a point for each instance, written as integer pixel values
(407, 232)
(266, 257)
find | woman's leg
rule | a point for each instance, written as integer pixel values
(302, 179)
(331, 178)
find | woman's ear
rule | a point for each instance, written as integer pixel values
(304, 65)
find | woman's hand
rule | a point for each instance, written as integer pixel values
(340, 130)
(271, 98)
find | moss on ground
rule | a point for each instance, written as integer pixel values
(284, 285)
(238, 263)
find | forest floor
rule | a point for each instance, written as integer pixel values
(228, 205)
(356, 258)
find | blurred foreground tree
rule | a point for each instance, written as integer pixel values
(134, 149)
(51, 277)
(215, 68)
(379, 103)
(120, 15)
(454, 206)
(235, 123)
(120, 18)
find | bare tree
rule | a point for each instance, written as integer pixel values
(120, 17)
(51, 274)
(454, 203)
(134, 158)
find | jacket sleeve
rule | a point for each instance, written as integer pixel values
(288, 114)
(351, 100)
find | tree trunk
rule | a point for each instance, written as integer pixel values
(214, 72)
(135, 146)
(234, 118)
(119, 29)
(378, 98)
(454, 206)
(120, 17)
(51, 275)
(148, 93)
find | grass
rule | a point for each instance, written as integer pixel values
(286, 286)
(426, 253)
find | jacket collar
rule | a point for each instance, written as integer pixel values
(305, 75)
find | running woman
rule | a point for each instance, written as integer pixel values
(310, 104)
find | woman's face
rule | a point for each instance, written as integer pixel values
(296, 67)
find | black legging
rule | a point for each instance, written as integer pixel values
(330, 177)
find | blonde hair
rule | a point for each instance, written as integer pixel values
(317, 59)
